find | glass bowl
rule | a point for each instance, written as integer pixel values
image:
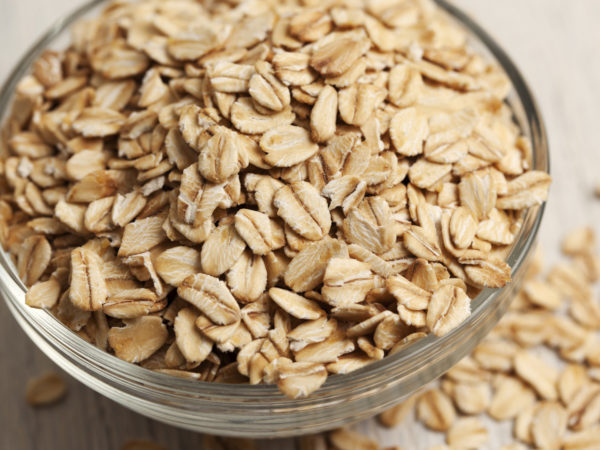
(261, 411)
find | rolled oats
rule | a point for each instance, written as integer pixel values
(247, 278)
(499, 359)
(584, 408)
(33, 258)
(578, 241)
(191, 343)
(346, 281)
(426, 174)
(327, 351)
(287, 145)
(358, 102)
(407, 293)
(347, 192)
(523, 424)
(337, 52)
(549, 424)
(299, 379)
(472, 398)
(389, 332)
(527, 190)
(44, 294)
(261, 233)
(211, 296)
(542, 377)
(542, 294)
(485, 271)
(395, 415)
(296, 305)
(448, 308)
(496, 354)
(304, 186)
(435, 410)
(324, 114)
(463, 227)
(408, 131)
(348, 363)
(570, 382)
(344, 439)
(229, 77)
(496, 229)
(221, 250)
(177, 263)
(142, 235)
(267, 90)
(88, 290)
(477, 193)
(247, 119)
(97, 217)
(222, 157)
(582, 440)
(46, 389)
(467, 433)
(139, 339)
(307, 269)
(311, 332)
(370, 227)
(404, 85)
(510, 397)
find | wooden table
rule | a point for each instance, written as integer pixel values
(556, 43)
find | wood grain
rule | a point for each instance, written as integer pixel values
(555, 43)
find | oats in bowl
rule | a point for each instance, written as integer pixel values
(263, 192)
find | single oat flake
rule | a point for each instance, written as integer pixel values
(272, 193)
(46, 389)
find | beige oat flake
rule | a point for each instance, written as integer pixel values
(467, 433)
(344, 439)
(211, 296)
(435, 410)
(541, 376)
(336, 53)
(448, 308)
(287, 145)
(302, 207)
(139, 339)
(88, 289)
(45, 389)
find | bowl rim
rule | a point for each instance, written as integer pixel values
(134, 378)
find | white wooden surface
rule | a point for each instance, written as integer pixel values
(556, 43)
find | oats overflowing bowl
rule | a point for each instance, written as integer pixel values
(336, 198)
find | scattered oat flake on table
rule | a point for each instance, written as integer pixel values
(395, 415)
(345, 439)
(509, 377)
(467, 433)
(45, 389)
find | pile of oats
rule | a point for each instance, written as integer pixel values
(262, 191)
(539, 368)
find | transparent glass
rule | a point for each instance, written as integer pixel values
(261, 411)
